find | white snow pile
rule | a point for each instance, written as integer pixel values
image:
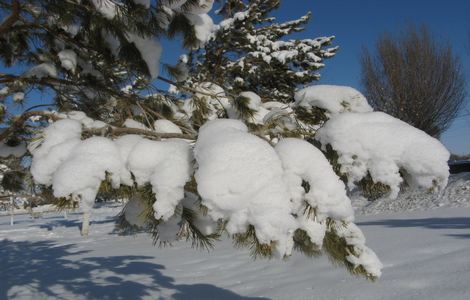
(384, 147)
(107, 8)
(68, 59)
(130, 123)
(332, 98)
(166, 126)
(166, 165)
(243, 180)
(76, 167)
(327, 193)
(240, 179)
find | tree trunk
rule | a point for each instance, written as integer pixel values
(85, 223)
(12, 222)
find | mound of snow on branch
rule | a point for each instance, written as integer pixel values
(332, 98)
(166, 126)
(387, 149)
(77, 167)
(240, 178)
(243, 180)
(327, 193)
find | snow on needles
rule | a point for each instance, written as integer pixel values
(327, 193)
(77, 167)
(387, 149)
(240, 178)
(332, 98)
(243, 180)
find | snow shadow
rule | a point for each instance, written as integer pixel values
(44, 269)
(431, 223)
(62, 222)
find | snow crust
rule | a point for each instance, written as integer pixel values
(384, 146)
(433, 266)
(332, 98)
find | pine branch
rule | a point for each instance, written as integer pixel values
(118, 131)
(18, 122)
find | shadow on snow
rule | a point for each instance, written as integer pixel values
(44, 269)
(431, 223)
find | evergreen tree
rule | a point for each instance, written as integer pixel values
(213, 156)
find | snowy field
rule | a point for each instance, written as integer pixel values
(424, 246)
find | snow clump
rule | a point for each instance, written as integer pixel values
(386, 148)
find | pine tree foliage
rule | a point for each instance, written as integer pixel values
(250, 51)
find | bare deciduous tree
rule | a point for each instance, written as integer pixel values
(415, 78)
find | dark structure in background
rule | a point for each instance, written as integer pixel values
(459, 166)
(415, 78)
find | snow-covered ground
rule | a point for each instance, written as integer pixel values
(426, 254)
(456, 194)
